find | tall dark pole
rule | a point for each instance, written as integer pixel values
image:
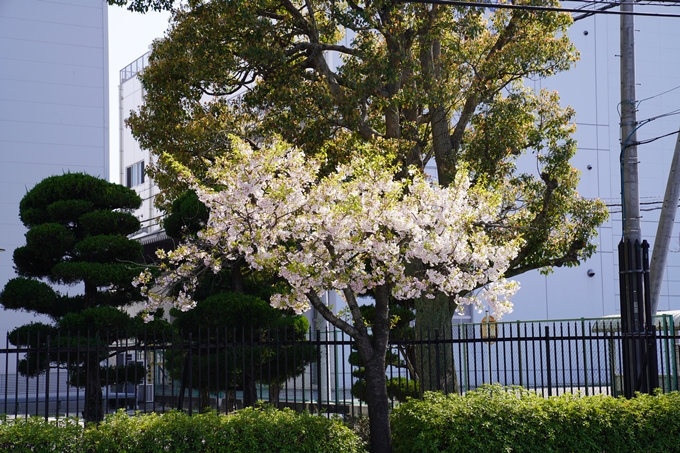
(629, 156)
(630, 201)
(638, 344)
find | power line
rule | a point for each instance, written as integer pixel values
(543, 8)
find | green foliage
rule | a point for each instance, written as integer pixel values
(187, 216)
(512, 419)
(235, 318)
(251, 430)
(35, 435)
(63, 199)
(78, 227)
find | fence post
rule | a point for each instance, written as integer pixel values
(318, 368)
(547, 359)
(519, 353)
(436, 358)
(47, 381)
(186, 377)
(585, 354)
(674, 352)
(465, 368)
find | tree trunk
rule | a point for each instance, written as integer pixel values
(274, 393)
(434, 362)
(230, 401)
(204, 394)
(94, 407)
(249, 391)
(377, 399)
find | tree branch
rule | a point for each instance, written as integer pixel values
(331, 317)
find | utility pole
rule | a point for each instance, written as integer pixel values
(665, 228)
(629, 156)
(640, 369)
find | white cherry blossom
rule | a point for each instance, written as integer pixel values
(351, 231)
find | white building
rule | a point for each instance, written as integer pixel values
(53, 107)
(592, 89)
(133, 159)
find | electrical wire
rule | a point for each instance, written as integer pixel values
(650, 140)
(542, 8)
(657, 95)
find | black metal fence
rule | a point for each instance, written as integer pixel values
(226, 370)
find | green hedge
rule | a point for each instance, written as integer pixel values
(499, 419)
(249, 430)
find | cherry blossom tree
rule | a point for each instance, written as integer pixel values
(356, 230)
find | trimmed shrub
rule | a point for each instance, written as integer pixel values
(512, 419)
(34, 435)
(262, 429)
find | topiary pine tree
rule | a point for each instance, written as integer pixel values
(231, 309)
(77, 235)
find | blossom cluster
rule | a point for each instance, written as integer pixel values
(354, 229)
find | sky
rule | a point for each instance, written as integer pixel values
(130, 35)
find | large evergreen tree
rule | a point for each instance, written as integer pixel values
(232, 311)
(77, 235)
(440, 86)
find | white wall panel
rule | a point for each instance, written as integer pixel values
(53, 106)
(38, 113)
(51, 93)
(79, 13)
(58, 134)
(53, 73)
(88, 159)
(56, 33)
(42, 51)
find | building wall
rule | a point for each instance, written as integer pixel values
(592, 88)
(131, 154)
(53, 107)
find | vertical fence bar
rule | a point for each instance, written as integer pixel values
(547, 359)
(251, 381)
(190, 363)
(592, 363)
(564, 365)
(37, 378)
(47, 380)
(68, 387)
(7, 371)
(16, 377)
(229, 396)
(519, 354)
(436, 357)
(260, 349)
(585, 354)
(505, 356)
(318, 370)
(465, 368)
(674, 348)
(599, 358)
(533, 354)
(571, 366)
(474, 357)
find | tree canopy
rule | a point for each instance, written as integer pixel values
(442, 86)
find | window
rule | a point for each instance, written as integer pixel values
(134, 174)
